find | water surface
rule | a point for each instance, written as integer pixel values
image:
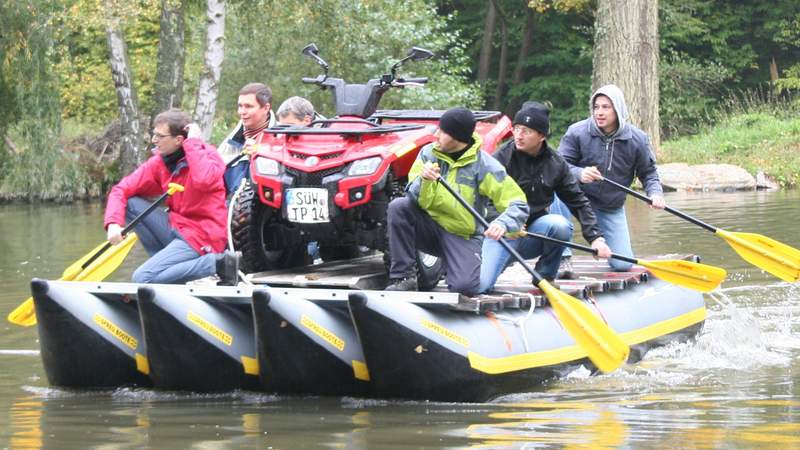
(735, 387)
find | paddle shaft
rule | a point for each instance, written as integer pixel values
(536, 277)
(576, 246)
(680, 214)
(128, 227)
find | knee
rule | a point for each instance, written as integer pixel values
(144, 275)
(398, 204)
(559, 227)
(141, 276)
(619, 266)
(469, 288)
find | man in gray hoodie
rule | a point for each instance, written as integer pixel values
(606, 146)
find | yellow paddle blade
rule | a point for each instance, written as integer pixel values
(109, 261)
(692, 275)
(25, 314)
(75, 268)
(604, 347)
(775, 257)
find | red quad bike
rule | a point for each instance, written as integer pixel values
(332, 182)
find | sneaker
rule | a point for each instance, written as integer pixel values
(565, 269)
(228, 268)
(402, 284)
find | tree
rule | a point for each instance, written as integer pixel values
(168, 91)
(626, 53)
(208, 91)
(486, 42)
(131, 139)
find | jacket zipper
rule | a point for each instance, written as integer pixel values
(611, 156)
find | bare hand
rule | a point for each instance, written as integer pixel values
(658, 202)
(590, 175)
(603, 251)
(430, 171)
(114, 233)
(495, 231)
(193, 131)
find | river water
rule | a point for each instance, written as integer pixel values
(737, 386)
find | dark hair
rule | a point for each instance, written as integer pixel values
(262, 92)
(176, 120)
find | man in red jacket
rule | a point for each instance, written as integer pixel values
(187, 243)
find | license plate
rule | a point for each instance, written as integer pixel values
(307, 205)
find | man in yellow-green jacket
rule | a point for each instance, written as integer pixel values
(430, 219)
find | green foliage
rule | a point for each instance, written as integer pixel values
(87, 91)
(360, 40)
(38, 168)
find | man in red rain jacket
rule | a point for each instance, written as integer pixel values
(187, 243)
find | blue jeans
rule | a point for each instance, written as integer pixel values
(496, 258)
(172, 260)
(614, 226)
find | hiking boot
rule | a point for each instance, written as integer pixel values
(228, 268)
(402, 284)
(565, 269)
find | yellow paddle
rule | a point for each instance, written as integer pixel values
(95, 265)
(775, 257)
(603, 346)
(700, 277)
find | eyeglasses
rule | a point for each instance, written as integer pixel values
(523, 131)
(158, 136)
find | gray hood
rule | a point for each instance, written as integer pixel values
(618, 100)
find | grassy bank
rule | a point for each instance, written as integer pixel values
(764, 137)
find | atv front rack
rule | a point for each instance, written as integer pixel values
(427, 114)
(376, 129)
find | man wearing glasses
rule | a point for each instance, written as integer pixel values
(188, 242)
(540, 172)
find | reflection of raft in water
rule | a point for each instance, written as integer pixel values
(326, 332)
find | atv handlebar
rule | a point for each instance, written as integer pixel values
(316, 80)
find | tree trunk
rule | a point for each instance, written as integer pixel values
(131, 136)
(486, 46)
(168, 88)
(773, 75)
(209, 80)
(525, 45)
(626, 54)
(503, 67)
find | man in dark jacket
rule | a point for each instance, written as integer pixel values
(254, 109)
(606, 146)
(540, 172)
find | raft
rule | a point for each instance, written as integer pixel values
(327, 330)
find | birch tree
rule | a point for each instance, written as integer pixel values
(131, 140)
(209, 80)
(626, 53)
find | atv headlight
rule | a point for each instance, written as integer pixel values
(364, 166)
(266, 166)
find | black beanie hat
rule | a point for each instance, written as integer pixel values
(534, 115)
(458, 123)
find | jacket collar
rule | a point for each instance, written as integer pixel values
(469, 156)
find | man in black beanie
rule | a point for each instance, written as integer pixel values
(428, 218)
(540, 172)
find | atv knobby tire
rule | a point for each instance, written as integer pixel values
(253, 227)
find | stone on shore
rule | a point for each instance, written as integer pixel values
(705, 177)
